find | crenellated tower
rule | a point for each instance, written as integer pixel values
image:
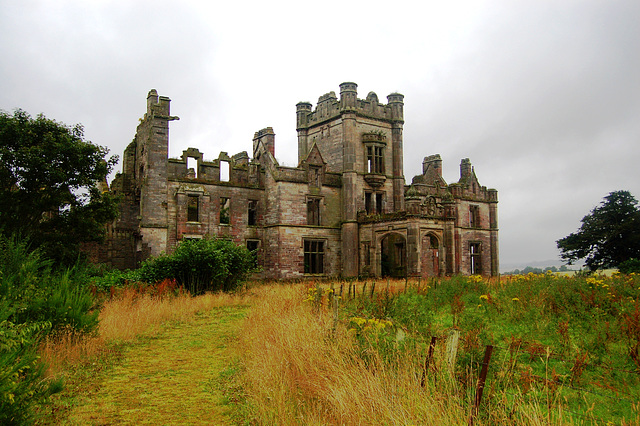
(362, 140)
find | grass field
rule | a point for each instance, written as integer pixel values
(565, 351)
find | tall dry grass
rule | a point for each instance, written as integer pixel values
(299, 370)
(125, 316)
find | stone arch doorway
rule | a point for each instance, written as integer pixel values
(393, 256)
(430, 255)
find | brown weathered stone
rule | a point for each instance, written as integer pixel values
(350, 174)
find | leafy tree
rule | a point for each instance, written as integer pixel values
(608, 236)
(48, 193)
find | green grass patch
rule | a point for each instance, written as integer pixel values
(570, 343)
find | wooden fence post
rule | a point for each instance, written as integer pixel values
(481, 381)
(373, 288)
(427, 361)
(452, 348)
(335, 313)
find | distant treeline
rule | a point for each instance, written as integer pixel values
(533, 270)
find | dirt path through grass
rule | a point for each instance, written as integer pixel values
(171, 378)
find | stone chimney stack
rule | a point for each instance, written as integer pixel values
(432, 167)
(465, 168)
(268, 139)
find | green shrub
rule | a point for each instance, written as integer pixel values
(66, 303)
(34, 300)
(630, 266)
(21, 381)
(115, 278)
(38, 294)
(201, 265)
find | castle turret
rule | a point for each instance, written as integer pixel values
(303, 110)
(396, 102)
(348, 95)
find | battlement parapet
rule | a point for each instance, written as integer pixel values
(330, 107)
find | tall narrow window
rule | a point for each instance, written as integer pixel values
(314, 176)
(474, 216)
(366, 252)
(475, 259)
(400, 254)
(193, 202)
(375, 160)
(252, 214)
(225, 204)
(252, 246)
(224, 171)
(368, 203)
(379, 203)
(313, 211)
(313, 257)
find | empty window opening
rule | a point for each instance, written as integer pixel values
(375, 163)
(224, 171)
(433, 242)
(225, 204)
(192, 164)
(252, 246)
(475, 258)
(474, 216)
(252, 214)
(193, 207)
(379, 203)
(313, 257)
(313, 211)
(368, 203)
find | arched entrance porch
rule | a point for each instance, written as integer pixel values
(393, 256)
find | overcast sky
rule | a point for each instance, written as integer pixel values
(542, 96)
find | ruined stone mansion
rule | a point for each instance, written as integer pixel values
(345, 210)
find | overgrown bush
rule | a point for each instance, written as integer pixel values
(630, 266)
(201, 265)
(36, 293)
(34, 300)
(115, 278)
(21, 383)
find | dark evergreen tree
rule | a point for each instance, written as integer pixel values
(609, 234)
